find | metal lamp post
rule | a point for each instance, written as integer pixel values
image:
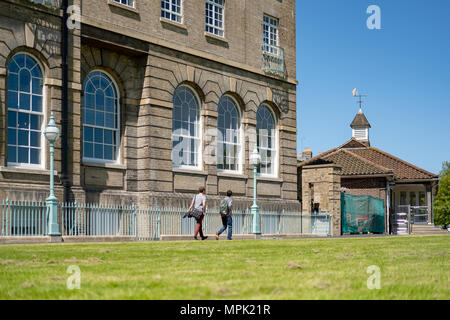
(255, 159)
(51, 133)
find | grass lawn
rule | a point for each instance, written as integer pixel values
(413, 267)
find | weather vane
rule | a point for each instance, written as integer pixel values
(360, 96)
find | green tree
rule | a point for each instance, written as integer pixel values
(442, 201)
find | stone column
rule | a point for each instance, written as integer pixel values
(321, 186)
(74, 113)
(3, 112)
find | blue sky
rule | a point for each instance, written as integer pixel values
(404, 68)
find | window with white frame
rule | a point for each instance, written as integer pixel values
(270, 35)
(214, 17)
(25, 111)
(266, 140)
(228, 135)
(101, 119)
(128, 3)
(186, 129)
(171, 9)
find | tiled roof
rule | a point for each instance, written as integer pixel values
(402, 169)
(356, 158)
(315, 160)
(355, 165)
(360, 120)
(353, 143)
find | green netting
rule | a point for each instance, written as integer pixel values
(362, 214)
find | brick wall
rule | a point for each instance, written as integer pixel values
(375, 187)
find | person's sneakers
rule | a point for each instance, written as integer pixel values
(217, 235)
(195, 238)
(204, 238)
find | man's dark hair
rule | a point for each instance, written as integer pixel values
(229, 193)
(201, 189)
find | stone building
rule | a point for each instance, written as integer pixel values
(160, 97)
(358, 168)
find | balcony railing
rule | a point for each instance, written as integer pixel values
(273, 59)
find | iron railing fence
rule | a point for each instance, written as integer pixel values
(419, 214)
(405, 216)
(23, 218)
(96, 220)
(20, 218)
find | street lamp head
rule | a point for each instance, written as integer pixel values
(51, 132)
(255, 157)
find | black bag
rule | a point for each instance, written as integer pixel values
(194, 213)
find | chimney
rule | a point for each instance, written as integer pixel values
(305, 155)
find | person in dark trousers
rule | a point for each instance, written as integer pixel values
(226, 208)
(199, 203)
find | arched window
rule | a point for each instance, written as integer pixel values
(25, 111)
(228, 135)
(266, 140)
(101, 119)
(186, 130)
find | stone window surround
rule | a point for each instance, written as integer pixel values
(241, 152)
(133, 8)
(43, 153)
(175, 13)
(272, 30)
(276, 148)
(219, 29)
(199, 167)
(116, 164)
(119, 145)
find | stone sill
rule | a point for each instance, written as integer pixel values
(172, 23)
(212, 36)
(25, 170)
(104, 165)
(269, 179)
(190, 171)
(231, 175)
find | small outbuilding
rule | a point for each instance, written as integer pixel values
(357, 168)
